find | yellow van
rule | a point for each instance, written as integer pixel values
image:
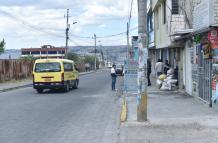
(54, 74)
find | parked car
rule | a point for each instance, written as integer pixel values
(54, 74)
(119, 70)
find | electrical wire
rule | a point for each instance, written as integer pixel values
(30, 26)
(43, 30)
(122, 33)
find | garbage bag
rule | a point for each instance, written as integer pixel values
(159, 83)
(165, 86)
(162, 77)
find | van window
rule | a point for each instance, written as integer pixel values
(48, 67)
(68, 67)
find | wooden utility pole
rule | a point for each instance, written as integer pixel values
(142, 81)
(67, 32)
(127, 35)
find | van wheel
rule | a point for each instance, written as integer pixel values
(39, 90)
(67, 87)
(76, 84)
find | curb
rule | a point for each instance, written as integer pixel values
(13, 88)
(123, 114)
(29, 85)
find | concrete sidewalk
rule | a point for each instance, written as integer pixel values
(11, 85)
(173, 117)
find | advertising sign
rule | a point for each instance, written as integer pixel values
(130, 76)
(206, 51)
(213, 38)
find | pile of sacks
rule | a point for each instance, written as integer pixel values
(167, 82)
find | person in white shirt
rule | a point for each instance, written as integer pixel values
(159, 67)
(113, 77)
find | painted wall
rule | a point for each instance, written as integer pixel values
(163, 31)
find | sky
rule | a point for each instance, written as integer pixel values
(33, 23)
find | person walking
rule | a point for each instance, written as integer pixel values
(159, 67)
(113, 77)
(148, 71)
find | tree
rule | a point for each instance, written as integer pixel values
(28, 58)
(2, 46)
(73, 56)
(91, 61)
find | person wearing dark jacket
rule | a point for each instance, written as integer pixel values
(113, 77)
(148, 71)
(166, 67)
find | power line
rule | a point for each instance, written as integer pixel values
(80, 37)
(43, 30)
(30, 26)
(122, 33)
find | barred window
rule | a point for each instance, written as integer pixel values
(175, 6)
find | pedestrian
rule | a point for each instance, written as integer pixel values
(113, 77)
(159, 67)
(148, 71)
(166, 66)
(87, 67)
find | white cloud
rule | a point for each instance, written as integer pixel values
(24, 19)
(102, 25)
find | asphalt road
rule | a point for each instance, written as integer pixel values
(89, 114)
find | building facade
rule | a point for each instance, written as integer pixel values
(167, 19)
(46, 51)
(186, 34)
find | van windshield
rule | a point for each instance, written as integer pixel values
(48, 67)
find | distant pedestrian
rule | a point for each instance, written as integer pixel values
(148, 71)
(113, 77)
(159, 67)
(166, 67)
(87, 67)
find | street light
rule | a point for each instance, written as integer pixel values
(67, 35)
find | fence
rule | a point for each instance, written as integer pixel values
(15, 69)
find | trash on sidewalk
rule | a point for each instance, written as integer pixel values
(167, 82)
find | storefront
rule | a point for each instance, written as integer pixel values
(213, 38)
(202, 67)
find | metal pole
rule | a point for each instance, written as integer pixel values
(67, 32)
(210, 81)
(127, 33)
(142, 81)
(95, 52)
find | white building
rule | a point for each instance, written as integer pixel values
(168, 20)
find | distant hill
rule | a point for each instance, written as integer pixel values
(111, 51)
(11, 53)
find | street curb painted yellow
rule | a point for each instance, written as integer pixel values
(123, 115)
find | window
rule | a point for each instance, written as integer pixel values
(35, 52)
(175, 6)
(150, 23)
(68, 67)
(48, 67)
(43, 52)
(164, 12)
(61, 52)
(157, 19)
(52, 52)
(25, 52)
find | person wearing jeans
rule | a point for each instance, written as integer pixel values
(113, 77)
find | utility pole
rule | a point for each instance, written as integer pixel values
(95, 52)
(127, 34)
(142, 81)
(67, 32)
